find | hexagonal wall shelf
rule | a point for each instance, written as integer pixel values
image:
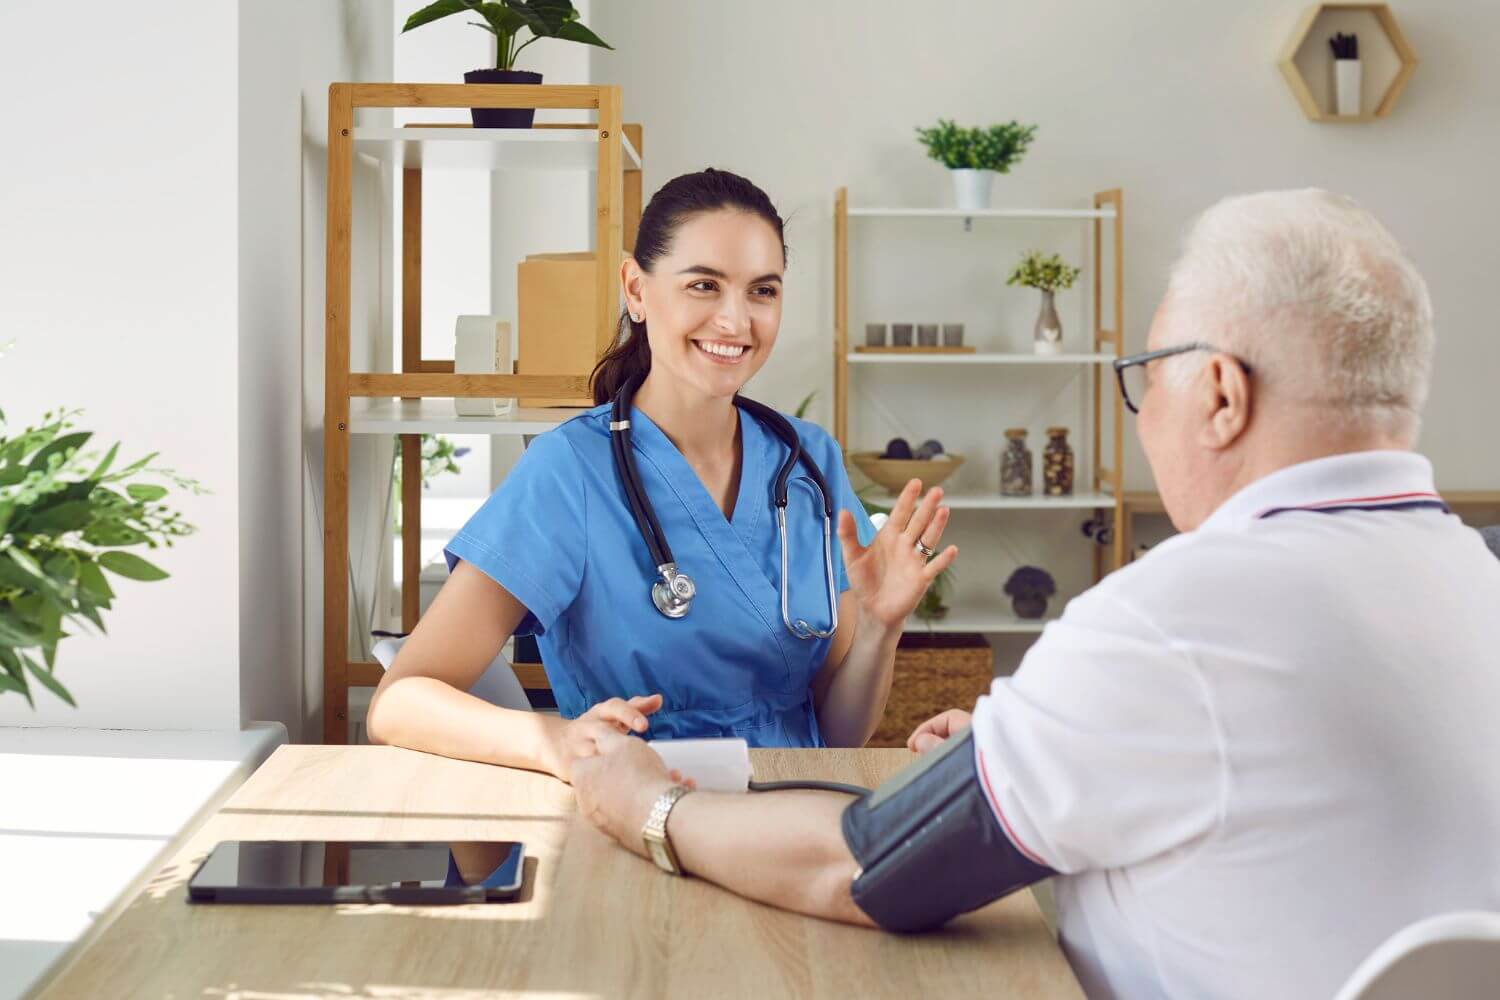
(1387, 58)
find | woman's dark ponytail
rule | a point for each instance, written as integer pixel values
(679, 200)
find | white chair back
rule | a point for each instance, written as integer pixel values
(1453, 956)
(498, 684)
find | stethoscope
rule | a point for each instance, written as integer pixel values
(673, 593)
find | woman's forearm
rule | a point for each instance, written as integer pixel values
(852, 706)
(424, 713)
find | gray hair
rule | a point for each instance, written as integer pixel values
(1317, 297)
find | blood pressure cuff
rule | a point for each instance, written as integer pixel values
(928, 845)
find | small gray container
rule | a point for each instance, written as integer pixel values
(874, 334)
(953, 335)
(900, 334)
(927, 335)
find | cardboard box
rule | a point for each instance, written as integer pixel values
(557, 314)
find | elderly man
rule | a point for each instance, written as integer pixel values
(1251, 755)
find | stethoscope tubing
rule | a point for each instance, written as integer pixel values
(656, 540)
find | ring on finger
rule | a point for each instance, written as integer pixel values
(926, 552)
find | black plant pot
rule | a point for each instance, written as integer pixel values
(1029, 607)
(502, 117)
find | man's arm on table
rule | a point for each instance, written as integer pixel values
(785, 849)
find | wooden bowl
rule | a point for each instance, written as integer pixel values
(892, 473)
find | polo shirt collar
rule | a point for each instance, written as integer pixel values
(1370, 479)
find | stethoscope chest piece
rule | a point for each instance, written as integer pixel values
(673, 593)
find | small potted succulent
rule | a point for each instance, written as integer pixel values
(1047, 273)
(505, 19)
(1029, 587)
(933, 606)
(974, 156)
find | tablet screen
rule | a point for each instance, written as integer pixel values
(287, 866)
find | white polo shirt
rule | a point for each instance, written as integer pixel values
(1266, 746)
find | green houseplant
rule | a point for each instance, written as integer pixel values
(66, 519)
(1046, 273)
(974, 156)
(506, 20)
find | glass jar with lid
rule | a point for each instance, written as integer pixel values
(1015, 464)
(1057, 463)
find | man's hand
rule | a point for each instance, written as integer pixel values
(937, 729)
(580, 737)
(617, 786)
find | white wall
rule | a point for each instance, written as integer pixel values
(1177, 102)
(118, 253)
(348, 41)
(154, 273)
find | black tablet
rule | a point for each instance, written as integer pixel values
(328, 871)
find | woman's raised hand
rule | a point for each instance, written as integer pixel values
(580, 737)
(890, 575)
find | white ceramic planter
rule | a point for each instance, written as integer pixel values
(1346, 85)
(971, 189)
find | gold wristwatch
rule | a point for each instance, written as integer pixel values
(654, 833)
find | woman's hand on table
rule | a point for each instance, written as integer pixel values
(890, 576)
(937, 729)
(579, 738)
(617, 785)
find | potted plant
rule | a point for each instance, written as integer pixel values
(974, 156)
(1346, 72)
(1029, 587)
(505, 19)
(67, 518)
(1046, 273)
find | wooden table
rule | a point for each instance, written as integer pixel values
(593, 921)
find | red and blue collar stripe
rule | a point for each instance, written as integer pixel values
(1392, 501)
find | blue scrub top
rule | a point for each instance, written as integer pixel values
(558, 535)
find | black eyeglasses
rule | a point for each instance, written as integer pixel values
(1132, 369)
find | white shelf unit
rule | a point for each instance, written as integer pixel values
(979, 618)
(977, 358)
(459, 147)
(875, 211)
(436, 416)
(1100, 480)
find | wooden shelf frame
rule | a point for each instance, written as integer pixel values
(1109, 343)
(618, 208)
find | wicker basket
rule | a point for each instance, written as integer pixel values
(933, 673)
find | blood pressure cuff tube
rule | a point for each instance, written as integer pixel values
(928, 845)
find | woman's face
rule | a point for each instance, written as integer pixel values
(712, 304)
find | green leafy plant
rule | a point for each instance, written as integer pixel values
(1047, 272)
(505, 19)
(997, 148)
(66, 518)
(439, 455)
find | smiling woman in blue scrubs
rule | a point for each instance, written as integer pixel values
(556, 550)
